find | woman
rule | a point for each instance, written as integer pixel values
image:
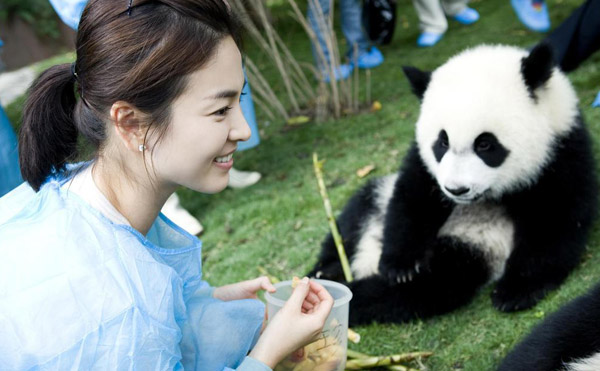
(92, 276)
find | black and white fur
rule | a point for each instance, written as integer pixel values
(498, 186)
(568, 340)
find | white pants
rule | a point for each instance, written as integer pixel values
(432, 13)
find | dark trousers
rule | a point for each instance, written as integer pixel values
(578, 36)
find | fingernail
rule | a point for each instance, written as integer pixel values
(305, 280)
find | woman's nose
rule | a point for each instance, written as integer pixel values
(240, 131)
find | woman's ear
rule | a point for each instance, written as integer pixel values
(129, 124)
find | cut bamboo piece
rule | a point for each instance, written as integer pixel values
(353, 336)
(371, 362)
(318, 165)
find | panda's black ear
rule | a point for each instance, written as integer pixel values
(537, 67)
(419, 80)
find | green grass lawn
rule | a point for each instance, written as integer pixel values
(279, 223)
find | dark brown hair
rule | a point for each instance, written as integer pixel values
(139, 54)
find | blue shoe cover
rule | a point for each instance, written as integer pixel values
(342, 73)
(370, 59)
(467, 16)
(533, 14)
(427, 39)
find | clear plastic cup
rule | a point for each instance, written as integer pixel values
(328, 353)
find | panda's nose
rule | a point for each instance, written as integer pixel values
(457, 191)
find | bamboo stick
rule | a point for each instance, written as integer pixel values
(261, 85)
(302, 80)
(318, 166)
(371, 362)
(354, 354)
(358, 355)
(264, 272)
(259, 7)
(330, 42)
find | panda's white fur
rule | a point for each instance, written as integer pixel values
(365, 261)
(487, 228)
(526, 129)
(587, 364)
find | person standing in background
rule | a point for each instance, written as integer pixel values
(351, 16)
(432, 18)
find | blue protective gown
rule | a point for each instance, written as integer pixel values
(80, 292)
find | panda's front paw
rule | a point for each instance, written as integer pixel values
(332, 272)
(512, 297)
(401, 270)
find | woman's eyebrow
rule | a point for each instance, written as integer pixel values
(223, 94)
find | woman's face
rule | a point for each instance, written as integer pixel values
(206, 124)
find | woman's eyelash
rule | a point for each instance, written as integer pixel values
(222, 111)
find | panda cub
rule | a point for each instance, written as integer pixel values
(499, 186)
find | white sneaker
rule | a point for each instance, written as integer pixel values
(242, 179)
(180, 216)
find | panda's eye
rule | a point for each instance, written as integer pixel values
(483, 145)
(444, 142)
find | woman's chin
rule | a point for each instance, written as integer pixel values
(214, 187)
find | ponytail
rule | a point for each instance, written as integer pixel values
(48, 135)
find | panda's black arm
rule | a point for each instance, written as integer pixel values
(552, 220)
(416, 211)
(565, 336)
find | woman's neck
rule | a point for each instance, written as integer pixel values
(132, 193)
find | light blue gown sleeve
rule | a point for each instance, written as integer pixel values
(77, 292)
(218, 334)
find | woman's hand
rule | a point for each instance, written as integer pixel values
(244, 289)
(296, 324)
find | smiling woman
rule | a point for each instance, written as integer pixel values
(89, 260)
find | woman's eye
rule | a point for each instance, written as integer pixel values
(222, 111)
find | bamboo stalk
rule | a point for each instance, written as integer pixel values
(261, 86)
(300, 75)
(332, 64)
(318, 166)
(371, 362)
(400, 368)
(263, 107)
(358, 355)
(264, 272)
(258, 5)
(300, 18)
(354, 354)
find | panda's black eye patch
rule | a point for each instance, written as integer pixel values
(440, 146)
(490, 150)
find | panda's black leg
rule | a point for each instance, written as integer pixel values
(454, 275)
(527, 280)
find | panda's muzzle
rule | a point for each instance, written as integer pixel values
(458, 191)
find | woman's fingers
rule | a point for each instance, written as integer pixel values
(325, 304)
(299, 294)
(265, 284)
